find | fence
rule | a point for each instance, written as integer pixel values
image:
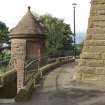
(32, 65)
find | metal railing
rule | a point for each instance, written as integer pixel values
(30, 69)
(11, 65)
(33, 66)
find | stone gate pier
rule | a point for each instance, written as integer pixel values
(28, 41)
(92, 58)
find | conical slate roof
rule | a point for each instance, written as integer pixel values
(28, 26)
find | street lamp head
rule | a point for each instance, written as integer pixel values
(74, 5)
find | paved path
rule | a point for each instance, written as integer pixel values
(57, 88)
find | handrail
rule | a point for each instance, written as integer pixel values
(30, 69)
(35, 64)
(30, 63)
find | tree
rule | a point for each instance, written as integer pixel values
(79, 47)
(59, 34)
(4, 38)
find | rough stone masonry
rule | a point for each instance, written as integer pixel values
(92, 59)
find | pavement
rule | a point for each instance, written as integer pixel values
(58, 88)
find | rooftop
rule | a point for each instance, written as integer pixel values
(28, 25)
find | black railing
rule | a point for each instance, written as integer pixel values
(30, 69)
(33, 66)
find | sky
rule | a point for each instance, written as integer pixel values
(11, 11)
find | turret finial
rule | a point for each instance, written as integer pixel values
(29, 8)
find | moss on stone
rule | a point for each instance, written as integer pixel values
(26, 92)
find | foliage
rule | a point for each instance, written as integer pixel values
(5, 56)
(79, 47)
(4, 38)
(59, 34)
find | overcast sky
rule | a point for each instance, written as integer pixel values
(11, 11)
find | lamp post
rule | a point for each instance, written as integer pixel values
(74, 6)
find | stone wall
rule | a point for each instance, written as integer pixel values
(92, 58)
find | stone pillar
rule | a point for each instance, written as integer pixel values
(92, 58)
(18, 53)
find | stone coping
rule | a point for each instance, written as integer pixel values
(26, 92)
(6, 77)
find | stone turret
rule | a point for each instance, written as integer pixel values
(92, 59)
(33, 32)
(28, 40)
(28, 27)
